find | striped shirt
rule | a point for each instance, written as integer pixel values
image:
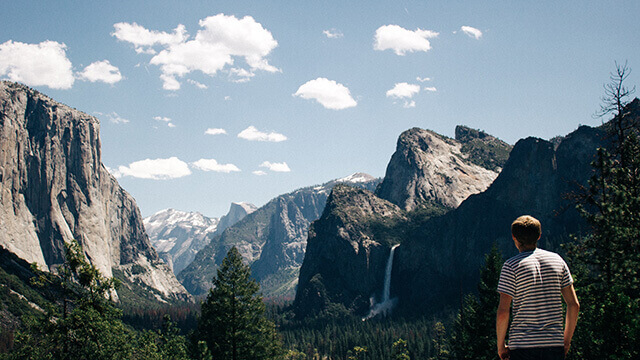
(534, 279)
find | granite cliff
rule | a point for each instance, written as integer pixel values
(428, 168)
(54, 189)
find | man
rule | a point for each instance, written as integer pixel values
(535, 280)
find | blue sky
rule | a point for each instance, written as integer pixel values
(307, 91)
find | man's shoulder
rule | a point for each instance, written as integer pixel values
(517, 258)
(548, 254)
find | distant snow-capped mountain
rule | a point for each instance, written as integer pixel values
(179, 235)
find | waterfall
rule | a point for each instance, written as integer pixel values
(384, 306)
(387, 275)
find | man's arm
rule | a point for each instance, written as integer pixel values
(573, 307)
(502, 324)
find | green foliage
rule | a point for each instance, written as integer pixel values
(474, 328)
(400, 351)
(606, 262)
(336, 339)
(13, 293)
(233, 324)
(440, 343)
(184, 315)
(483, 149)
(357, 353)
(86, 325)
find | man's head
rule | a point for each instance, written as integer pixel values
(526, 231)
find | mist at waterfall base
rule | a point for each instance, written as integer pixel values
(385, 306)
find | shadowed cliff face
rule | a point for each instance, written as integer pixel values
(441, 254)
(428, 168)
(442, 258)
(345, 261)
(54, 188)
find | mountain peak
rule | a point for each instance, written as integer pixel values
(358, 177)
(429, 168)
(247, 207)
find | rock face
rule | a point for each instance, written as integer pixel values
(440, 254)
(428, 168)
(177, 235)
(272, 239)
(345, 260)
(54, 188)
(536, 180)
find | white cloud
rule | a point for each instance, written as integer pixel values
(43, 64)
(409, 104)
(101, 71)
(197, 84)
(472, 32)
(253, 134)
(144, 39)
(165, 119)
(328, 93)
(156, 169)
(401, 40)
(259, 173)
(421, 79)
(113, 117)
(403, 90)
(277, 167)
(213, 165)
(148, 51)
(333, 34)
(431, 88)
(240, 75)
(220, 40)
(215, 131)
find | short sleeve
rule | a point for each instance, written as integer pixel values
(567, 279)
(507, 282)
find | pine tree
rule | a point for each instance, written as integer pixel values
(606, 263)
(440, 343)
(400, 350)
(474, 328)
(233, 323)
